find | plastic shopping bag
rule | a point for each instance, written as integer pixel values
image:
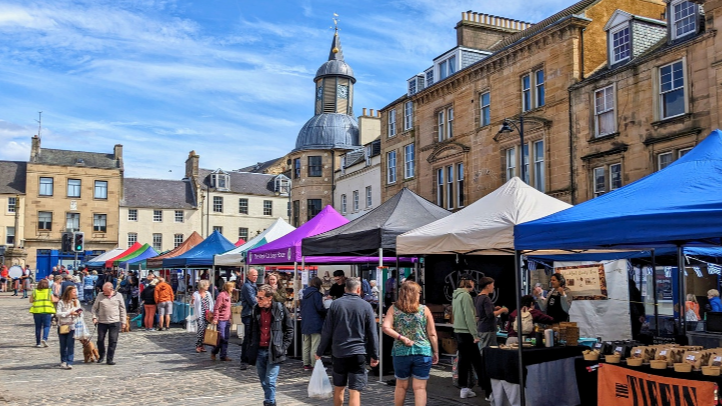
(320, 386)
(81, 329)
(191, 323)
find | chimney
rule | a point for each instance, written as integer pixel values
(192, 166)
(35, 149)
(364, 113)
(482, 31)
(118, 152)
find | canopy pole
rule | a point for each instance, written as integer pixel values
(296, 299)
(654, 292)
(517, 280)
(381, 313)
(681, 288)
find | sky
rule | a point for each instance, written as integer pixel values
(230, 79)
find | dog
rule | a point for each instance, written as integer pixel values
(90, 353)
(126, 328)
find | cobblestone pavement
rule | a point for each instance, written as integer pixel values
(160, 368)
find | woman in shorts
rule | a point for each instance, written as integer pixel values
(416, 347)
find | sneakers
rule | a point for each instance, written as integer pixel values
(44, 343)
(63, 365)
(38, 346)
(68, 366)
(490, 398)
(466, 393)
(307, 368)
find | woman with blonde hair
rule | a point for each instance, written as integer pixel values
(692, 307)
(68, 308)
(416, 347)
(714, 300)
(222, 318)
(203, 305)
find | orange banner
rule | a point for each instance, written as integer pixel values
(624, 387)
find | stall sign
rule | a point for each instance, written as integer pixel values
(624, 387)
(304, 278)
(585, 282)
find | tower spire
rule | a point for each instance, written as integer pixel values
(336, 53)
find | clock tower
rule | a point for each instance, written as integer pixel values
(334, 82)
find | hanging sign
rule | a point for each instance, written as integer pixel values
(585, 282)
(304, 278)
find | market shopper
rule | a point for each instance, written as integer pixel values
(312, 314)
(338, 288)
(558, 301)
(279, 293)
(43, 307)
(416, 344)
(271, 333)
(692, 308)
(148, 299)
(88, 284)
(109, 314)
(467, 335)
(487, 313)
(536, 316)
(164, 298)
(248, 301)
(222, 319)
(203, 305)
(68, 309)
(714, 300)
(350, 330)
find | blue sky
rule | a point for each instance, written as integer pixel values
(230, 79)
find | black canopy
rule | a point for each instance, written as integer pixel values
(377, 228)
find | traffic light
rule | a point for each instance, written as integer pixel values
(79, 242)
(66, 242)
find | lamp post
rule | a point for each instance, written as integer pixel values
(506, 128)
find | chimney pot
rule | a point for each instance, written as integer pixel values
(364, 113)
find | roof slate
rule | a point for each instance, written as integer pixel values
(158, 193)
(246, 183)
(12, 177)
(260, 167)
(62, 157)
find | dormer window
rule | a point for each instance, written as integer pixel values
(620, 44)
(416, 84)
(430, 77)
(447, 67)
(220, 180)
(282, 185)
(684, 18)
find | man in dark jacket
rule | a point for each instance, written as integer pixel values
(248, 301)
(312, 313)
(271, 333)
(350, 329)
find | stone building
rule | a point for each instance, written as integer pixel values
(653, 99)
(358, 181)
(330, 133)
(73, 191)
(12, 209)
(442, 138)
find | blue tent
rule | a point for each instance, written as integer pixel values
(149, 253)
(715, 252)
(679, 205)
(202, 254)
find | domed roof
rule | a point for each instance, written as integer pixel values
(329, 131)
(335, 67)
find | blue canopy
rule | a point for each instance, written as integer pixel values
(679, 205)
(202, 254)
(604, 256)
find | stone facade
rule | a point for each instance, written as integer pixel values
(642, 139)
(560, 49)
(359, 178)
(98, 193)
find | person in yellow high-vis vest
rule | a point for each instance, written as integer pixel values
(42, 309)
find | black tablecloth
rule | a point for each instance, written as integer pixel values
(588, 374)
(504, 364)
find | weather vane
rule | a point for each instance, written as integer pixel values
(335, 21)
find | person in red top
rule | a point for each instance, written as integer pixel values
(3, 278)
(527, 305)
(222, 318)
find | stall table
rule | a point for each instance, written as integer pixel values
(545, 368)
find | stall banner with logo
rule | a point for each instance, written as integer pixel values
(624, 387)
(585, 282)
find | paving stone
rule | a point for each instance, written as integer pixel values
(161, 367)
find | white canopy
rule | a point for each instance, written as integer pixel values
(235, 257)
(484, 227)
(108, 255)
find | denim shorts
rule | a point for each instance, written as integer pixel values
(417, 366)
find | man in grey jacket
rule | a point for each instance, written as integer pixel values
(350, 329)
(109, 314)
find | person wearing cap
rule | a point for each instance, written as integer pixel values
(466, 334)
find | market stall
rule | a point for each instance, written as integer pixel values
(99, 261)
(190, 242)
(237, 256)
(676, 207)
(135, 247)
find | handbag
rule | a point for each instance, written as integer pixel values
(210, 336)
(64, 329)
(209, 316)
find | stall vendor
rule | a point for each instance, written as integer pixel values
(558, 301)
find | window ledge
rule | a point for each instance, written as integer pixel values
(655, 140)
(672, 120)
(409, 179)
(605, 137)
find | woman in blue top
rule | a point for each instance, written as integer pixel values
(714, 300)
(416, 345)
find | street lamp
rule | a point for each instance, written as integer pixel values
(518, 125)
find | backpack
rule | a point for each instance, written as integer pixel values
(527, 323)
